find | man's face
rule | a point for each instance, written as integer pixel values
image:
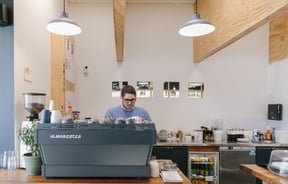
(128, 101)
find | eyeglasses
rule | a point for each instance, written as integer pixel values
(129, 100)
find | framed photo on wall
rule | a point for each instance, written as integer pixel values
(171, 90)
(195, 89)
(144, 89)
(116, 88)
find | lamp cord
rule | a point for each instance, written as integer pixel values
(64, 2)
(196, 7)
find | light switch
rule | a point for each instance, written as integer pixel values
(27, 74)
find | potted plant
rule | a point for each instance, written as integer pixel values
(32, 158)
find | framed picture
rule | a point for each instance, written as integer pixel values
(144, 89)
(116, 88)
(171, 90)
(195, 89)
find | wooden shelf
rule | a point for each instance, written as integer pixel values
(263, 174)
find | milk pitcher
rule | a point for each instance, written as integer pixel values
(45, 116)
(56, 116)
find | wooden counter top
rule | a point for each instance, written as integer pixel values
(263, 174)
(20, 176)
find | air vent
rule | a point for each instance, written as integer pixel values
(3, 14)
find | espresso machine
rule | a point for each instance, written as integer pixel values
(95, 150)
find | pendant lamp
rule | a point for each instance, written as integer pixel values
(63, 25)
(196, 26)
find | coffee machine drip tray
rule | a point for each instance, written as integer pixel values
(96, 150)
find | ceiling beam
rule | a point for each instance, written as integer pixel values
(119, 7)
(233, 20)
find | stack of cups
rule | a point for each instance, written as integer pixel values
(8, 160)
(56, 115)
(154, 167)
(218, 135)
(51, 115)
(218, 130)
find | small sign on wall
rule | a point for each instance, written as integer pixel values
(27, 74)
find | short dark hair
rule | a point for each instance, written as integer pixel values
(128, 89)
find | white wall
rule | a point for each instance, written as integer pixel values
(236, 79)
(239, 82)
(278, 89)
(32, 49)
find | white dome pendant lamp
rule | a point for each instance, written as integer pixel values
(196, 26)
(63, 25)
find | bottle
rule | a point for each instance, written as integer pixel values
(273, 136)
(255, 137)
(69, 109)
(180, 135)
(207, 135)
(268, 134)
(211, 135)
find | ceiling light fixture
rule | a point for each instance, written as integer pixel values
(63, 25)
(196, 26)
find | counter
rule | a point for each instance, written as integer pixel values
(20, 176)
(222, 143)
(263, 174)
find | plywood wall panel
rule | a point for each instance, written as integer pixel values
(233, 20)
(58, 60)
(119, 9)
(278, 38)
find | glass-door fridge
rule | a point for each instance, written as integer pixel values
(203, 167)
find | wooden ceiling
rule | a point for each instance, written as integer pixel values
(233, 20)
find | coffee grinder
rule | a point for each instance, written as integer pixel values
(34, 103)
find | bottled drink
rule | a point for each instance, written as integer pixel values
(69, 109)
(273, 135)
(180, 135)
(255, 137)
(268, 134)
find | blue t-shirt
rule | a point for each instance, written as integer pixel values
(119, 112)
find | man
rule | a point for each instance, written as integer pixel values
(128, 109)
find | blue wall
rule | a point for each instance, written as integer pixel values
(7, 82)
